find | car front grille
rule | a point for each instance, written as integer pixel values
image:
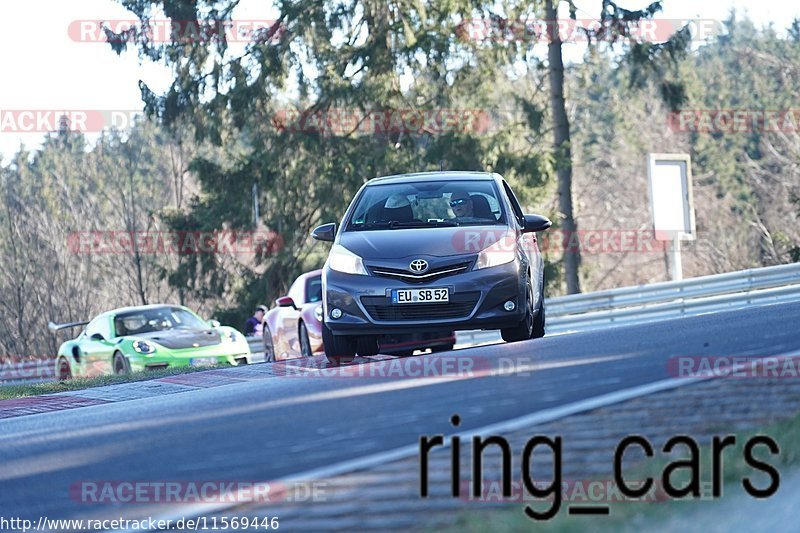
(429, 275)
(459, 306)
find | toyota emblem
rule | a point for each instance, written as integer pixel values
(418, 265)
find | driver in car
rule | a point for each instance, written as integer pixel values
(461, 204)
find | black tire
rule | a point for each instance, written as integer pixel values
(305, 342)
(121, 364)
(367, 345)
(338, 348)
(269, 346)
(524, 330)
(538, 322)
(64, 370)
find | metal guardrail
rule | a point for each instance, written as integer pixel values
(256, 348)
(27, 372)
(664, 300)
(595, 310)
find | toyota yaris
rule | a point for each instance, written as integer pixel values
(420, 252)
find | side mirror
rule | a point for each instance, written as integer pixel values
(97, 337)
(535, 223)
(286, 301)
(325, 232)
(213, 323)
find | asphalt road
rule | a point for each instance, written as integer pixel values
(268, 429)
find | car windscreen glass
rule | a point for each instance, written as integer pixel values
(157, 319)
(427, 204)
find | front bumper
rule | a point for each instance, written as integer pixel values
(476, 302)
(210, 356)
(418, 341)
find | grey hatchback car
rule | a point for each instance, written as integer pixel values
(431, 251)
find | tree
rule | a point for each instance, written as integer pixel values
(563, 151)
(615, 24)
(53, 202)
(272, 110)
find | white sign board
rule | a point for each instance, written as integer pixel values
(670, 185)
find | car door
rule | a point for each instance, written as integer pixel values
(290, 316)
(97, 347)
(528, 241)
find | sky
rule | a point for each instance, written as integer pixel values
(47, 66)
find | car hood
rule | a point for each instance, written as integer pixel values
(438, 242)
(177, 339)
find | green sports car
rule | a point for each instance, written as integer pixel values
(147, 337)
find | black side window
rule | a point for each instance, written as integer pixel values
(514, 204)
(313, 290)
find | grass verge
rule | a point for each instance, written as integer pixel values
(8, 392)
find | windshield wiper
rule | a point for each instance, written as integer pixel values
(396, 224)
(370, 225)
(423, 224)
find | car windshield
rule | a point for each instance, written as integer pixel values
(157, 319)
(418, 204)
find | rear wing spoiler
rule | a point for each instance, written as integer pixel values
(58, 327)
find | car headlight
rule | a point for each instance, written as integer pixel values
(230, 336)
(343, 260)
(501, 252)
(143, 347)
(318, 313)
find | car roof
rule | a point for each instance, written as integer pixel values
(138, 308)
(311, 273)
(441, 175)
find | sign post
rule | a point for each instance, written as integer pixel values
(671, 204)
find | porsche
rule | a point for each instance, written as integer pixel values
(147, 337)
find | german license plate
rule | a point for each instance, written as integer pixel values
(203, 361)
(421, 296)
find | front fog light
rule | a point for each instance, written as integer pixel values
(509, 306)
(336, 313)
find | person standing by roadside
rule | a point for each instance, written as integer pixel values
(254, 327)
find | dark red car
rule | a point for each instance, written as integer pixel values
(293, 328)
